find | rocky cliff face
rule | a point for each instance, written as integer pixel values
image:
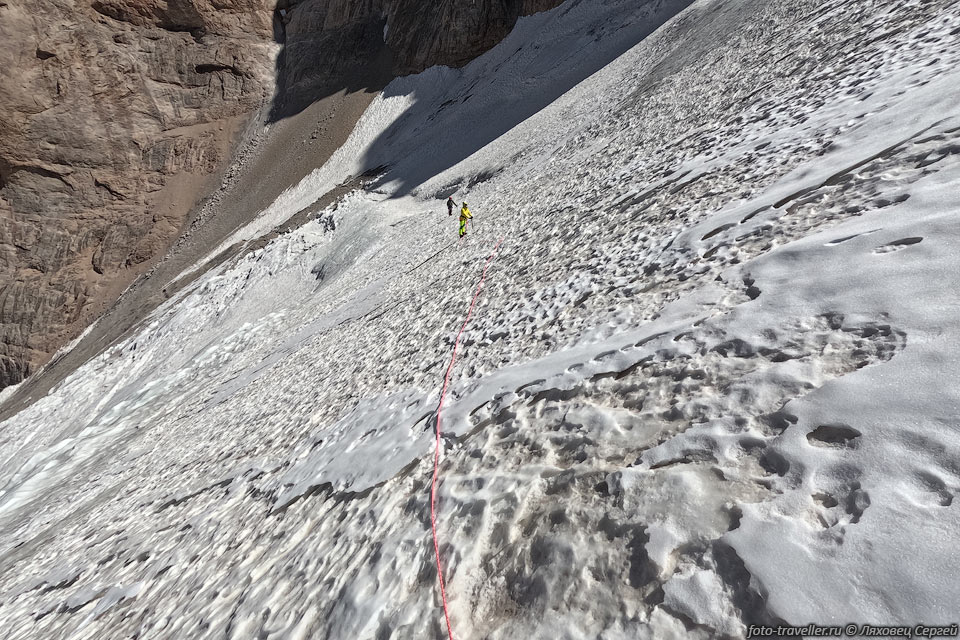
(114, 114)
(117, 115)
(456, 30)
(331, 42)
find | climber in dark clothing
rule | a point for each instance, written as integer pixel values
(450, 205)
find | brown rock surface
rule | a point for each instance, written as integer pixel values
(113, 115)
(116, 116)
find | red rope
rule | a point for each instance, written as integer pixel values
(436, 457)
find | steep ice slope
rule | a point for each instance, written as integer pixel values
(706, 384)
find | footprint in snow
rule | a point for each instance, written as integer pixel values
(833, 435)
(934, 487)
(834, 243)
(896, 245)
(845, 506)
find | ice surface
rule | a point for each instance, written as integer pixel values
(708, 383)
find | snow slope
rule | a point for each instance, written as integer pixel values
(707, 383)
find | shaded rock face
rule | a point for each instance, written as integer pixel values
(451, 32)
(116, 116)
(331, 42)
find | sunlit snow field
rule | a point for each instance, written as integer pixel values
(709, 381)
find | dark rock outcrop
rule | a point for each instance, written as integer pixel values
(331, 44)
(451, 32)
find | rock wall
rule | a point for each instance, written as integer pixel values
(451, 32)
(116, 116)
(329, 44)
(113, 116)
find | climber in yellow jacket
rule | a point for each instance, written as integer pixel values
(464, 216)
